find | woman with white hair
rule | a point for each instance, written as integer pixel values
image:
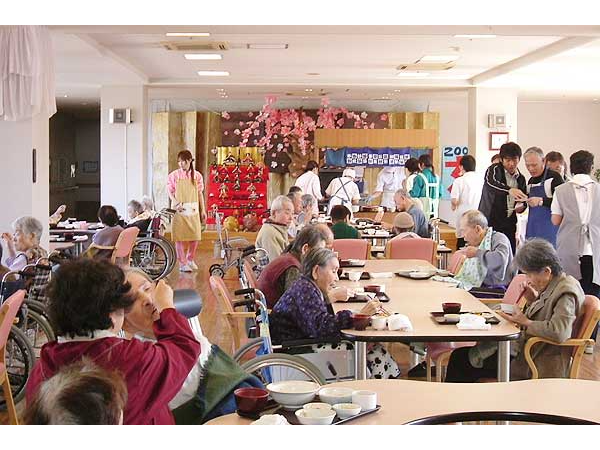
(24, 244)
(343, 191)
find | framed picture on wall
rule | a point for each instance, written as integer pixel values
(90, 166)
(497, 138)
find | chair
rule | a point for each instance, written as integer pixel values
(123, 247)
(582, 330)
(8, 312)
(412, 248)
(456, 262)
(352, 248)
(440, 351)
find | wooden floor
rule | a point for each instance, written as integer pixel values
(214, 327)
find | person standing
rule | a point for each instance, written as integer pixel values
(186, 187)
(576, 211)
(540, 189)
(555, 161)
(389, 180)
(343, 191)
(465, 194)
(310, 183)
(432, 186)
(503, 192)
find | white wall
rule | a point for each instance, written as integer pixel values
(563, 126)
(123, 154)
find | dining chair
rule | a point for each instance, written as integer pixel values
(412, 248)
(124, 245)
(8, 312)
(456, 262)
(352, 248)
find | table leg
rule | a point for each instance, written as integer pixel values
(360, 360)
(504, 361)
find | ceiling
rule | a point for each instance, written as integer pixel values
(349, 64)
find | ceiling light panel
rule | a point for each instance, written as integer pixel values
(267, 46)
(203, 56)
(213, 73)
(475, 36)
(412, 74)
(173, 34)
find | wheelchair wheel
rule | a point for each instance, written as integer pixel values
(252, 344)
(152, 256)
(37, 329)
(216, 270)
(20, 358)
(255, 366)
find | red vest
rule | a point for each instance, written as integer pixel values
(269, 277)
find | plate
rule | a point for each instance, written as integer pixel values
(364, 276)
(381, 296)
(438, 317)
(352, 263)
(415, 275)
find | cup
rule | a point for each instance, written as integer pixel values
(354, 276)
(366, 399)
(375, 288)
(451, 308)
(379, 322)
(360, 322)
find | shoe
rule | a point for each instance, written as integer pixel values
(589, 350)
(420, 371)
(185, 268)
(192, 265)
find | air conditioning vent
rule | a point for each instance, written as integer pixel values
(194, 46)
(427, 67)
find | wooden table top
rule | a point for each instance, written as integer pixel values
(404, 401)
(53, 246)
(416, 299)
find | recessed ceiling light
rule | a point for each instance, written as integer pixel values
(397, 90)
(308, 90)
(213, 73)
(412, 74)
(438, 58)
(475, 36)
(65, 96)
(202, 56)
(178, 34)
(267, 46)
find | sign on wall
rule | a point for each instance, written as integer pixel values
(368, 157)
(451, 156)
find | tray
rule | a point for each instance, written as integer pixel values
(406, 274)
(381, 296)
(438, 317)
(344, 263)
(290, 416)
(364, 276)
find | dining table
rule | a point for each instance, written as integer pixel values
(418, 299)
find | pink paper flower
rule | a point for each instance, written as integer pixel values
(250, 114)
(241, 124)
(237, 131)
(225, 133)
(363, 115)
(225, 115)
(383, 117)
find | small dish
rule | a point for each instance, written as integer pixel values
(315, 416)
(360, 321)
(332, 395)
(250, 399)
(451, 307)
(419, 275)
(452, 318)
(345, 410)
(317, 405)
(293, 394)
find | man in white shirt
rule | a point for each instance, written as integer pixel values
(389, 180)
(310, 184)
(343, 191)
(466, 193)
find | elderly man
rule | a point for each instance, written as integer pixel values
(405, 203)
(503, 192)
(540, 189)
(296, 198)
(489, 255)
(273, 235)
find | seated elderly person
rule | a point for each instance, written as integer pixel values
(403, 226)
(489, 255)
(81, 393)
(340, 216)
(304, 311)
(23, 245)
(283, 271)
(273, 234)
(307, 214)
(138, 216)
(87, 303)
(107, 236)
(554, 301)
(404, 203)
(296, 198)
(207, 392)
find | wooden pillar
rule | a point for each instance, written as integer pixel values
(419, 121)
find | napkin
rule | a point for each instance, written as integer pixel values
(445, 279)
(271, 419)
(399, 322)
(472, 322)
(382, 274)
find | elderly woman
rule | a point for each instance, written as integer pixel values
(488, 253)
(107, 236)
(24, 244)
(283, 271)
(87, 304)
(207, 391)
(554, 300)
(273, 234)
(138, 216)
(305, 312)
(306, 215)
(404, 226)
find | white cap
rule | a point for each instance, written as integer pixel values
(350, 173)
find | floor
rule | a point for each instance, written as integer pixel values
(215, 327)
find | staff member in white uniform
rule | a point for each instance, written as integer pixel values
(310, 184)
(389, 181)
(343, 191)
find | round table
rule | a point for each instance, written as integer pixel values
(406, 401)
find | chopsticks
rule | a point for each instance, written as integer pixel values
(384, 311)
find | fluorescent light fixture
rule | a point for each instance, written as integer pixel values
(213, 73)
(188, 34)
(397, 90)
(475, 36)
(202, 56)
(267, 46)
(438, 58)
(406, 73)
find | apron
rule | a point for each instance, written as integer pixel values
(539, 223)
(342, 201)
(186, 224)
(425, 201)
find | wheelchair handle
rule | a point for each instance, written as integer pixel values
(244, 291)
(248, 251)
(187, 302)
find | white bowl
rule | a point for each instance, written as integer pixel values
(354, 276)
(315, 416)
(293, 394)
(333, 395)
(317, 405)
(345, 410)
(419, 275)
